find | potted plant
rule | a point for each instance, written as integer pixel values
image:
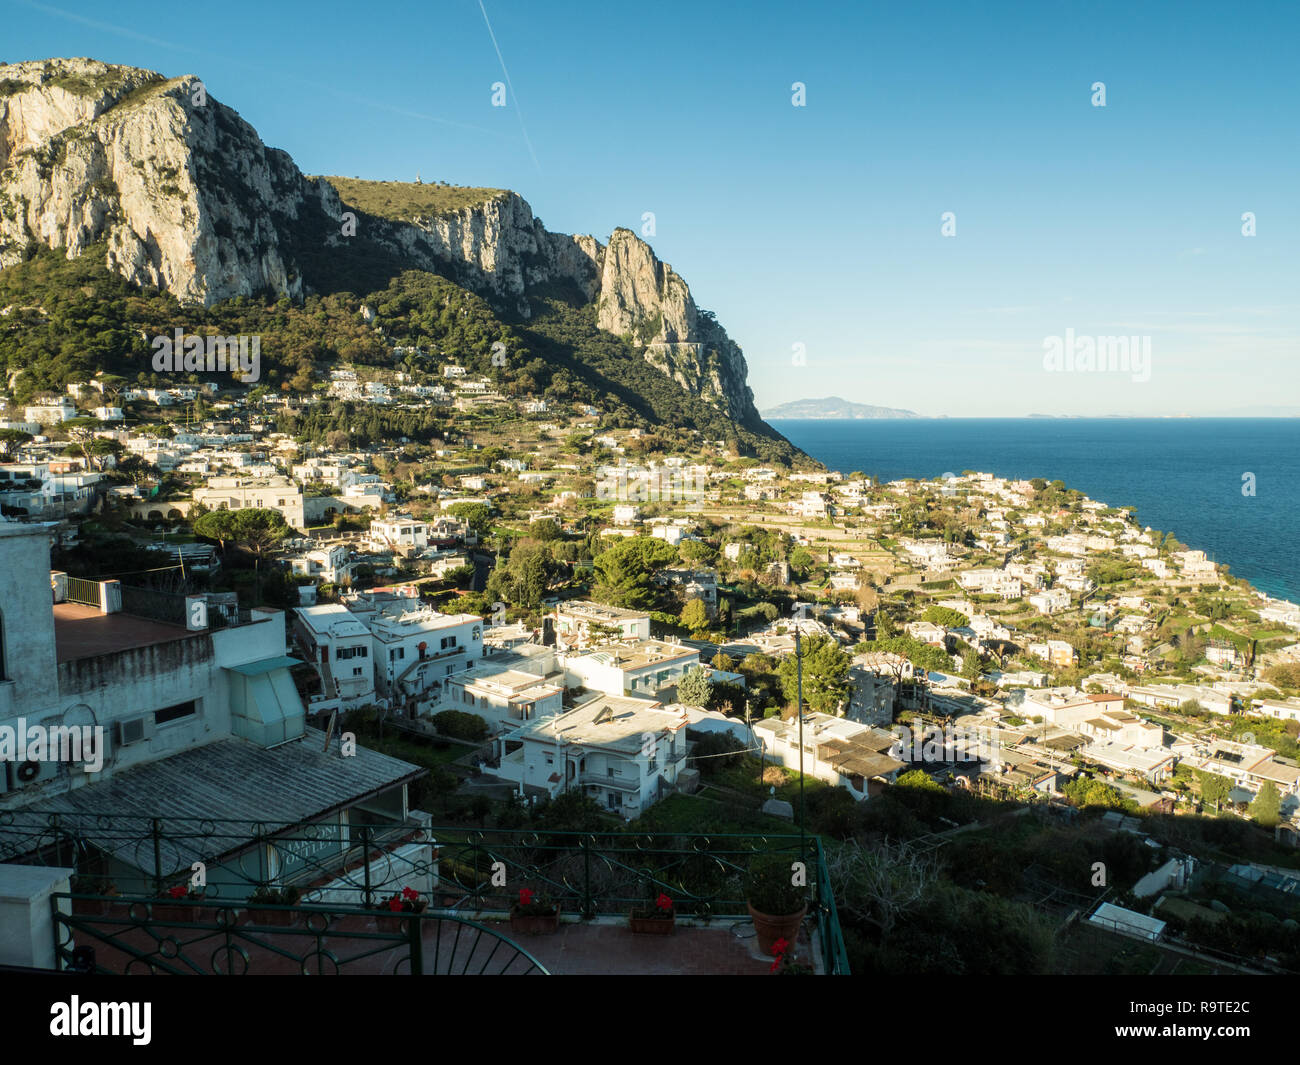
(786, 964)
(656, 920)
(776, 905)
(180, 902)
(269, 896)
(533, 915)
(393, 910)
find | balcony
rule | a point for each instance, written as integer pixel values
(346, 873)
(631, 784)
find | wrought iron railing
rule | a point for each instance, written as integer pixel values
(113, 934)
(469, 873)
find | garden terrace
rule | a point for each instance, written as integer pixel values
(466, 880)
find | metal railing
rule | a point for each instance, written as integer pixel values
(167, 607)
(83, 591)
(469, 873)
(142, 935)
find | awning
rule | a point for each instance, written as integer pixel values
(265, 665)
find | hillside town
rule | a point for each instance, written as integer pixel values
(554, 606)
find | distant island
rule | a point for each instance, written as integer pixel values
(833, 408)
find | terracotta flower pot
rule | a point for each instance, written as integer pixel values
(534, 924)
(653, 926)
(771, 927)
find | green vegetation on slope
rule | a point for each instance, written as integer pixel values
(69, 319)
(402, 201)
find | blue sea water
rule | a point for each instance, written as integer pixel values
(1184, 476)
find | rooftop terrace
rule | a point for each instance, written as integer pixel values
(84, 631)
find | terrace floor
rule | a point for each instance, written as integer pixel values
(723, 948)
(83, 631)
(126, 941)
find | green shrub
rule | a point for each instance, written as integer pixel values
(461, 726)
(770, 889)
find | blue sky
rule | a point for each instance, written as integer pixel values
(820, 225)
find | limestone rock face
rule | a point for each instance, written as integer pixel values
(187, 198)
(647, 301)
(95, 153)
(498, 249)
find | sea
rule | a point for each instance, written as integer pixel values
(1187, 476)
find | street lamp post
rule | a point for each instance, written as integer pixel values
(798, 655)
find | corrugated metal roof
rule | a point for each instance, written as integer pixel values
(235, 784)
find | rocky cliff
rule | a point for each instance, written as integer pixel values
(187, 198)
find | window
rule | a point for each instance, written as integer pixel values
(357, 671)
(448, 641)
(610, 772)
(178, 712)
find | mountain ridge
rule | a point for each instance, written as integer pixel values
(187, 199)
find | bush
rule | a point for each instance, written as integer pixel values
(461, 726)
(770, 889)
(724, 694)
(715, 751)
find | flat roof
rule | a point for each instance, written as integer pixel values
(608, 721)
(586, 608)
(83, 632)
(640, 654)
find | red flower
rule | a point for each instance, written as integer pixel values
(410, 893)
(664, 902)
(776, 964)
(177, 891)
(525, 897)
(395, 904)
(780, 946)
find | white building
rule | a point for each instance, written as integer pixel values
(271, 493)
(575, 620)
(839, 751)
(1050, 601)
(330, 564)
(644, 668)
(402, 533)
(339, 646)
(508, 690)
(625, 753)
(50, 412)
